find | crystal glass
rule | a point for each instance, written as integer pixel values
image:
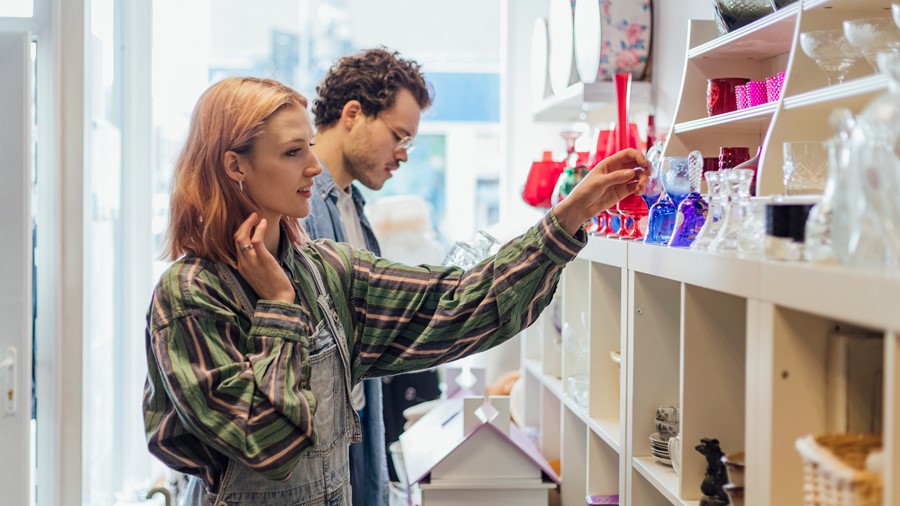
(895, 9)
(872, 36)
(462, 255)
(731, 157)
(691, 211)
(751, 240)
(738, 209)
(676, 174)
(721, 94)
(714, 215)
(571, 175)
(485, 244)
(818, 241)
(805, 168)
(733, 14)
(831, 52)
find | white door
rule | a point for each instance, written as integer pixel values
(15, 266)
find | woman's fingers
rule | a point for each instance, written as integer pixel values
(242, 235)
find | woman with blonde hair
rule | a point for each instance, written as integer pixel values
(255, 335)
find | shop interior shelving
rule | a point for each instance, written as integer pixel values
(741, 346)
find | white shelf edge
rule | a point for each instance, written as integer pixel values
(730, 38)
(662, 477)
(607, 431)
(809, 5)
(580, 97)
(757, 112)
(848, 89)
(602, 250)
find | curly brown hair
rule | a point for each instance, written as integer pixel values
(373, 77)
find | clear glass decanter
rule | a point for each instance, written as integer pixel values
(715, 215)
(738, 209)
(877, 135)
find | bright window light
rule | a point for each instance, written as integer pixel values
(16, 8)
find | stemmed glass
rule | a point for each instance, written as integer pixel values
(714, 216)
(570, 175)
(872, 36)
(692, 210)
(831, 51)
(737, 211)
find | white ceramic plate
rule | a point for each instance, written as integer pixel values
(559, 26)
(540, 48)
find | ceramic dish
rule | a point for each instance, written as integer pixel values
(612, 37)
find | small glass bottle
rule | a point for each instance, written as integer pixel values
(715, 215)
(691, 211)
(728, 239)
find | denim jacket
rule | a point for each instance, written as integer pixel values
(324, 222)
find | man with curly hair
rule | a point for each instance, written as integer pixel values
(367, 111)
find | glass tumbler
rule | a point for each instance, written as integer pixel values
(805, 168)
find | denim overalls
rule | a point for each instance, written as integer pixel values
(322, 475)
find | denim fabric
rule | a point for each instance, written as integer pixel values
(368, 460)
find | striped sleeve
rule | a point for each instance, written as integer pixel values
(245, 394)
(412, 318)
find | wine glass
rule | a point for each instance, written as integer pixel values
(833, 53)
(872, 36)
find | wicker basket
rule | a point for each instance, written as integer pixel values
(834, 470)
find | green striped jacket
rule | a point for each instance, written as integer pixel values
(221, 386)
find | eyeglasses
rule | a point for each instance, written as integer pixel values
(404, 142)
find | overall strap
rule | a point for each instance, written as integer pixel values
(331, 317)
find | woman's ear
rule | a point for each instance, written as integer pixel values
(233, 166)
(351, 113)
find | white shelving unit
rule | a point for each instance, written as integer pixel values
(740, 346)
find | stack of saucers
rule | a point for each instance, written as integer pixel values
(660, 449)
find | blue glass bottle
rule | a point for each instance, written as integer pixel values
(661, 222)
(691, 210)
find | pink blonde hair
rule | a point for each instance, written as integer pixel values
(207, 206)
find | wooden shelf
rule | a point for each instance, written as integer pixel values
(576, 101)
(662, 477)
(608, 430)
(858, 92)
(759, 40)
(748, 120)
(605, 251)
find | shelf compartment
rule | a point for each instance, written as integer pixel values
(576, 316)
(574, 455)
(762, 39)
(551, 339)
(576, 101)
(722, 273)
(854, 94)
(753, 120)
(602, 467)
(607, 382)
(795, 384)
(713, 377)
(610, 431)
(653, 354)
(551, 415)
(662, 478)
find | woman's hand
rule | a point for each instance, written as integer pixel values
(613, 179)
(257, 265)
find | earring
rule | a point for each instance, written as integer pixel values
(241, 186)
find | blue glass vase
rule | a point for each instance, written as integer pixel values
(661, 222)
(691, 210)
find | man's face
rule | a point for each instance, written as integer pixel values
(372, 153)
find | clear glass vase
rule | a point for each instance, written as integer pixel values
(715, 215)
(737, 211)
